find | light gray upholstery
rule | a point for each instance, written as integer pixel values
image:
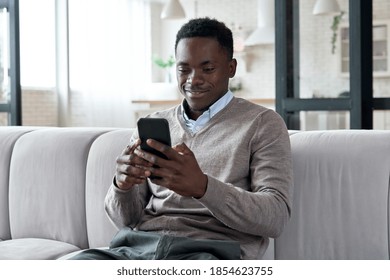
(8, 137)
(100, 172)
(34, 249)
(341, 196)
(46, 195)
(53, 182)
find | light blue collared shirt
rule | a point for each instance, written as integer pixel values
(195, 126)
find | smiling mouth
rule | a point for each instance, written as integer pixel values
(195, 92)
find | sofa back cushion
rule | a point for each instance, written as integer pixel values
(8, 138)
(341, 196)
(47, 184)
(100, 172)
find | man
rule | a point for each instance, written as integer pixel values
(225, 187)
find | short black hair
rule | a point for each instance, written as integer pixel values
(207, 27)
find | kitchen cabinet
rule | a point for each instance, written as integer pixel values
(381, 50)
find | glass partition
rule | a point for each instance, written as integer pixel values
(382, 119)
(324, 120)
(323, 53)
(381, 50)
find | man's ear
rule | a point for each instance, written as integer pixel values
(232, 68)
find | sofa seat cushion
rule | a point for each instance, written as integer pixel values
(34, 249)
(72, 254)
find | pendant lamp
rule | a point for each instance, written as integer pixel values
(173, 10)
(323, 7)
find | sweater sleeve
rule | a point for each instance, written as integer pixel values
(125, 208)
(264, 208)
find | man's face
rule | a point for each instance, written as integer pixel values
(203, 70)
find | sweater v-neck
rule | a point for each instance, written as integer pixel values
(215, 118)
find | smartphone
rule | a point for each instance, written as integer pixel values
(154, 128)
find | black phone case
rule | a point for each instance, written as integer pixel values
(154, 128)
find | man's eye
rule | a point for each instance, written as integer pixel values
(182, 70)
(208, 69)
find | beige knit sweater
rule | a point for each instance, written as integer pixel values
(245, 152)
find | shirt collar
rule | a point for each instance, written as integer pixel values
(221, 103)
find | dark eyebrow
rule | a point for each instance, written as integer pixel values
(181, 63)
(206, 62)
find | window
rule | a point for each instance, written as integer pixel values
(37, 43)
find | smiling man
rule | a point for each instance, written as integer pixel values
(224, 188)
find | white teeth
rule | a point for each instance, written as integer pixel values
(194, 93)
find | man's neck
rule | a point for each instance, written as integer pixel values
(195, 114)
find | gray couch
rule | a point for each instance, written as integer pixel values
(53, 182)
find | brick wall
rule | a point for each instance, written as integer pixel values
(39, 107)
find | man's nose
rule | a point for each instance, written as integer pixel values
(195, 77)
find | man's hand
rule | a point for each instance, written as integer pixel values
(130, 168)
(180, 172)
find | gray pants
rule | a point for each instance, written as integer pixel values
(136, 245)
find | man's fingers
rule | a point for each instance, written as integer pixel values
(158, 146)
(182, 149)
(174, 154)
(131, 170)
(131, 147)
(126, 182)
(133, 159)
(151, 158)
